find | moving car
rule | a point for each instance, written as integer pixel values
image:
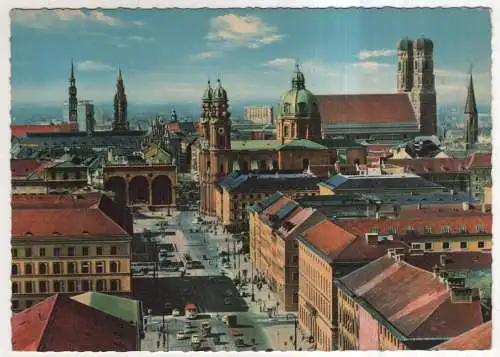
(176, 312)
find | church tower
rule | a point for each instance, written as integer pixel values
(471, 117)
(120, 122)
(405, 66)
(220, 124)
(423, 92)
(299, 116)
(206, 112)
(73, 101)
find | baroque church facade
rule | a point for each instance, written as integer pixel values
(298, 145)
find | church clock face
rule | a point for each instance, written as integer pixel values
(221, 131)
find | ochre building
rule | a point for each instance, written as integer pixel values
(68, 244)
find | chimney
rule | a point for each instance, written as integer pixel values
(436, 270)
(465, 206)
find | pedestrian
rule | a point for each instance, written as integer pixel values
(158, 344)
(268, 296)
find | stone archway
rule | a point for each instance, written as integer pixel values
(138, 190)
(118, 186)
(161, 188)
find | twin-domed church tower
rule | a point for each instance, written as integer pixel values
(415, 76)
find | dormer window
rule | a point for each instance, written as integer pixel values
(480, 228)
(445, 229)
(428, 229)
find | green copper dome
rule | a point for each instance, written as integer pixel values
(298, 100)
(208, 94)
(423, 44)
(405, 44)
(219, 92)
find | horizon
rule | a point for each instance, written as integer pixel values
(252, 50)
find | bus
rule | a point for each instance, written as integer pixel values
(191, 311)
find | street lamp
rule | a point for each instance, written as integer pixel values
(253, 284)
(295, 325)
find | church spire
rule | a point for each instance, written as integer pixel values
(471, 115)
(72, 100)
(120, 122)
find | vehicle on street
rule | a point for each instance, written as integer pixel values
(176, 312)
(235, 333)
(229, 292)
(239, 342)
(206, 329)
(188, 325)
(181, 335)
(191, 311)
(227, 301)
(195, 339)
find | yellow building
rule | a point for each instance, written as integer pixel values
(68, 244)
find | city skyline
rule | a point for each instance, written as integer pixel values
(253, 51)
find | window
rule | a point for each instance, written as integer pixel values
(428, 229)
(410, 229)
(15, 304)
(428, 246)
(286, 108)
(56, 252)
(71, 251)
(14, 252)
(86, 285)
(101, 285)
(114, 250)
(71, 286)
(15, 288)
(28, 269)
(445, 229)
(85, 267)
(28, 287)
(42, 268)
(41, 252)
(295, 259)
(462, 228)
(28, 252)
(463, 245)
(15, 269)
(416, 246)
(71, 268)
(295, 276)
(99, 267)
(115, 285)
(446, 245)
(479, 228)
(57, 268)
(480, 244)
(42, 286)
(114, 267)
(98, 251)
(85, 251)
(58, 288)
(374, 230)
(285, 131)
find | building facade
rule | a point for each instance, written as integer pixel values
(69, 245)
(261, 115)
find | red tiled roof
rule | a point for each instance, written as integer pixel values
(294, 220)
(22, 130)
(478, 159)
(425, 165)
(399, 227)
(476, 339)
(50, 216)
(366, 109)
(328, 238)
(23, 167)
(60, 324)
(411, 299)
(375, 148)
(275, 207)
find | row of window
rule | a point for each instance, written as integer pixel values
(317, 298)
(445, 245)
(76, 175)
(61, 286)
(71, 268)
(428, 229)
(68, 251)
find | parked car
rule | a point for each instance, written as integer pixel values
(195, 339)
(176, 312)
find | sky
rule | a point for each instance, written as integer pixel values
(167, 55)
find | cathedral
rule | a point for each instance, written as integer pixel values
(298, 144)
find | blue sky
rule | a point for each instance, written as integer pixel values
(168, 55)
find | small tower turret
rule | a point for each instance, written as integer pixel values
(471, 116)
(120, 122)
(73, 101)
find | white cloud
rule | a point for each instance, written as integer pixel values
(140, 39)
(371, 65)
(45, 18)
(246, 31)
(281, 63)
(93, 66)
(138, 23)
(205, 55)
(367, 54)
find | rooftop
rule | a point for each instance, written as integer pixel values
(60, 324)
(254, 145)
(476, 339)
(366, 109)
(411, 302)
(56, 216)
(451, 260)
(379, 182)
(247, 183)
(23, 167)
